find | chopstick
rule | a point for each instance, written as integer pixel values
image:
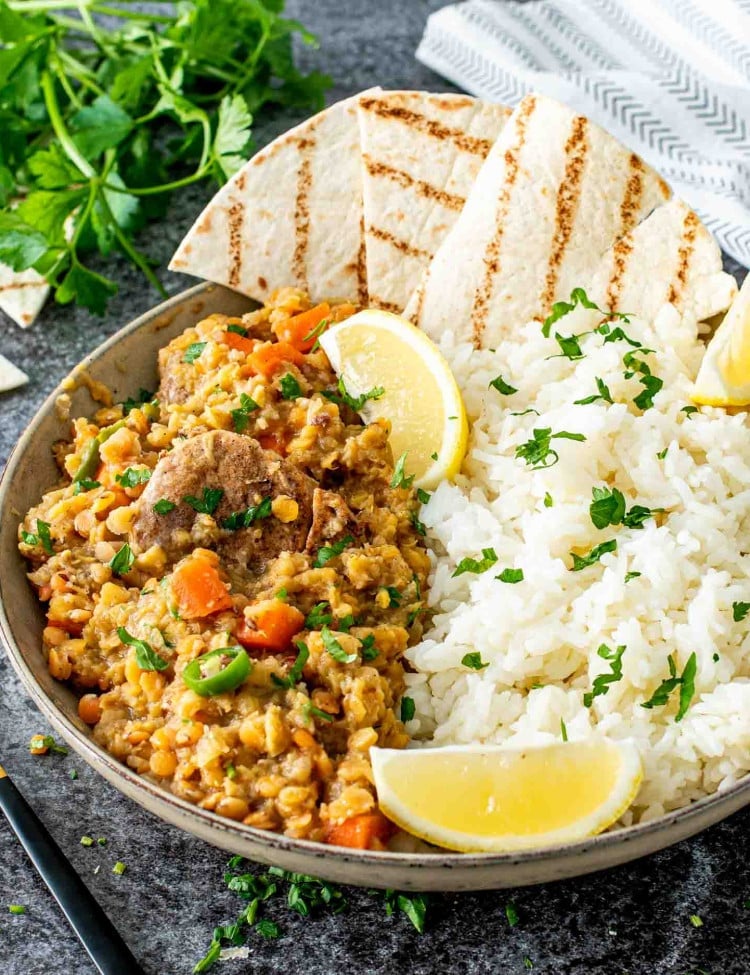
(98, 935)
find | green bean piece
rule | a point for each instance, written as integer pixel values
(90, 461)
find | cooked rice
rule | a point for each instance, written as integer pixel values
(540, 636)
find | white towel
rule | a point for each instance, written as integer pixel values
(669, 78)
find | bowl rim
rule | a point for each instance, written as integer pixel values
(99, 758)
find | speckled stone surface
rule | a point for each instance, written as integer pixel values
(634, 919)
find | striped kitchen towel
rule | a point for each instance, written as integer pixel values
(669, 78)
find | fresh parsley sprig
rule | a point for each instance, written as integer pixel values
(538, 453)
(685, 682)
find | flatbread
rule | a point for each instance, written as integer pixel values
(669, 258)
(292, 215)
(421, 154)
(553, 195)
(10, 375)
(22, 294)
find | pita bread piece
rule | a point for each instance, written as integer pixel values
(553, 195)
(291, 216)
(22, 294)
(421, 154)
(10, 376)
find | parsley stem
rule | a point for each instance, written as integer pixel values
(79, 70)
(135, 255)
(162, 187)
(102, 8)
(60, 129)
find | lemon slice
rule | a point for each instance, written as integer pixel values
(478, 798)
(421, 399)
(724, 375)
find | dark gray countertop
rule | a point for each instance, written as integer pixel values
(635, 919)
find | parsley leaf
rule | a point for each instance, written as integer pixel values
(414, 906)
(136, 403)
(548, 500)
(740, 611)
(502, 387)
(295, 672)
(343, 398)
(319, 616)
(237, 329)
(688, 411)
(601, 683)
(511, 912)
(608, 508)
(368, 649)
(122, 561)
(408, 708)
(243, 519)
(133, 476)
(603, 394)
(631, 575)
(399, 479)
(290, 388)
(645, 399)
(85, 485)
(208, 503)
(145, 655)
(335, 649)
(241, 416)
(511, 576)
(473, 661)
(43, 531)
(583, 561)
(194, 351)
(570, 347)
(328, 552)
(394, 596)
(577, 297)
(477, 566)
(417, 525)
(537, 451)
(686, 683)
(163, 506)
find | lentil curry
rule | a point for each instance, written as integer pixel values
(231, 579)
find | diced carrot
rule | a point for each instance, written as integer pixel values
(89, 709)
(272, 441)
(297, 330)
(269, 359)
(303, 739)
(198, 589)
(236, 341)
(45, 593)
(270, 625)
(369, 831)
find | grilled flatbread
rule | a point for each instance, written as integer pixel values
(10, 375)
(22, 294)
(421, 154)
(553, 195)
(291, 215)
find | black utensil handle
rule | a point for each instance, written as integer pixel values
(98, 935)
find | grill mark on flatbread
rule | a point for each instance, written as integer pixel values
(18, 285)
(401, 245)
(566, 206)
(386, 305)
(362, 264)
(690, 230)
(492, 253)
(620, 254)
(629, 214)
(449, 200)
(462, 141)
(302, 212)
(235, 221)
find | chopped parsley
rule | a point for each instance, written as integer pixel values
(418, 526)
(548, 500)
(328, 552)
(290, 388)
(502, 387)
(511, 913)
(608, 508)
(119, 868)
(231, 771)
(688, 411)
(601, 683)
(137, 402)
(42, 530)
(422, 496)
(241, 416)
(310, 709)
(41, 743)
(570, 347)
(616, 334)
(268, 929)
(740, 611)
(343, 398)
(194, 351)
(133, 476)
(145, 656)
(85, 485)
(434, 455)
(315, 332)
(577, 297)
(345, 623)
(631, 575)
(73, 774)
(163, 506)
(511, 576)
(414, 906)
(408, 708)
(243, 519)
(603, 394)
(645, 399)
(394, 596)
(335, 649)
(28, 538)
(295, 672)
(563, 730)
(122, 561)
(238, 330)
(662, 453)
(477, 566)
(473, 661)
(538, 451)
(368, 649)
(208, 503)
(524, 412)
(583, 561)
(319, 616)
(685, 682)
(399, 479)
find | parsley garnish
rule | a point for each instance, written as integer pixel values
(241, 416)
(85, 485)
(122, 561)
(268, 929)
(290, 388)
(318, 616)
(208, 503)
(489, 558)
(631, 575)
(511, 576)
(473, 661)
(563, 730)
(511, 914)
(686, 683)
(335, 649)
(603, 394)
(194, 351)
(394, 596)
(368, 649)
(42, 530)
(399, 479)
(524, 412)
(501, 386)
(537, 451)
(414, 906)
(740, 611)
(583, 561)
(577, 297)
(662, 453)
(688, 411)
(295, 672)
(422, 496)
(38, 742)
(243, 519)
(417, 525)
(133, 476)
(343, 398)
(548, 500)
(608, 508)
(601, 683)
(238, 330)
(570, 347)
(163, 506)
(145, 656)
(315, 333)
(310, 709)
(408, 708)
(645, 399)
(140, 400)
(328, 552)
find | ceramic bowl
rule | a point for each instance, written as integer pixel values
(125, 363)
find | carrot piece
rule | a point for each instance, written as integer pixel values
(296, 330)
(369, 831)
(198, 589)
(272, 441)
(270, 625)
(236, 341)
(269, 359)
(89, 709)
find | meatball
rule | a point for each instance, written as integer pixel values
(227, 474)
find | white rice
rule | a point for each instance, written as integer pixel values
(540, 636)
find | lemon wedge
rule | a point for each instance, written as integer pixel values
(477, 798)
(422, 401)
(724, 375)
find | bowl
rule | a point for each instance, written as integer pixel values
(126, 362)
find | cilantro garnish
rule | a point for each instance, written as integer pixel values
(399, 479)
(511, 576)
(477, 566)
(473, 661)
(319, 616)
(343, 398)
(163, 506)
(290, 387)
(241, 416)
(537, 451)
(133, 476)
(208, 503)
(145, 656)
(408, 708)
(583, 561)
(502, 387)
(122, 561)
(334, 648)
(686, 683)
(295, 672)
(603, 394)
(740, 611)
(601, 683)
(328, 552)
(194, 351)
(524, 412)
(243, 519)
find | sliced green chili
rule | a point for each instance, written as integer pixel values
(218, 671)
